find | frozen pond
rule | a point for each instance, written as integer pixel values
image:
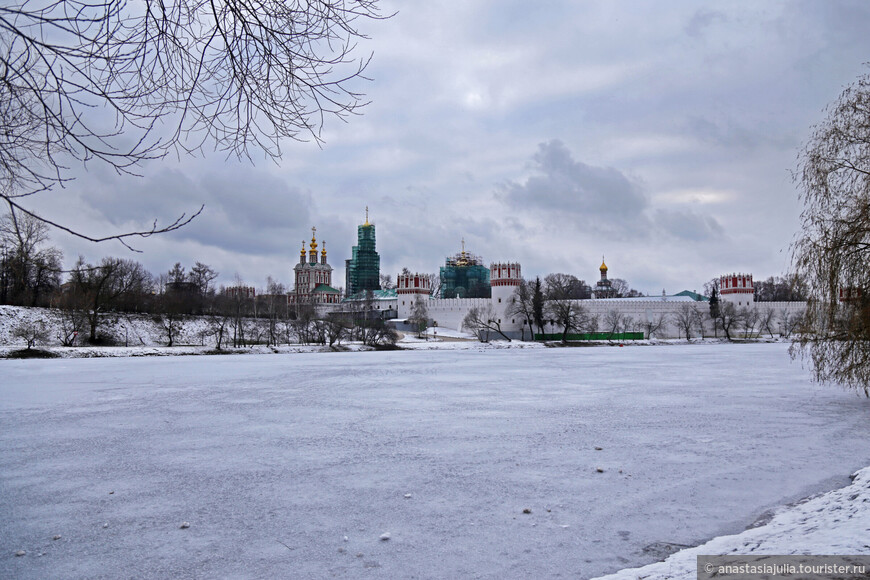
(275, 459)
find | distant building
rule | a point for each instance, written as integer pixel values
(363, 269)
(313, 278)
(183, 288)
(244, 292)
(850, 294)
(465, 276)
(604, 287)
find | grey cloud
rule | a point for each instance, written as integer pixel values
(688, 225)
(601, 199)
(245, 210)
(702, 19)
(734, 135)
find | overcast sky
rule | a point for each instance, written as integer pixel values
(658, 134)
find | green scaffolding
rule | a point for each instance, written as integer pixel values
(465, 276)
(363, 270)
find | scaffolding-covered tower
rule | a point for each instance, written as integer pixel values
(363, 270)
(465, 276)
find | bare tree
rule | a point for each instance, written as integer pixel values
(375, 332)
(29, 270)
(565, 287)
(701, 318)
(113, 284)
(781, 289)
(482, 320)
(171, 315)
(522, 305)
(766, 320)
(275, 308)
(31, 332)
(70, 322)
(729, 319)
(832, 252)
(434, 284)
(788, 322)
(303, 323)
(685, 318)
(419, 318)
(653, 323)
(219, 319)
(176, 75)
(570, 315)
(614, 321)
(622, 289)
(335, 329)
(749, 320)
(202, 275)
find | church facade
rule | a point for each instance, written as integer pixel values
(313, 277)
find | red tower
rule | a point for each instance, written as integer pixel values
(501, 274)
(412, 284)
(736, 287)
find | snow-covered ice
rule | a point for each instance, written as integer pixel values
(295, 465)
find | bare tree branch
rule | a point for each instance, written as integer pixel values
(121, 83)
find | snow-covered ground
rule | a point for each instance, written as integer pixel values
(127, 329)
(297, 465)
(837, 522)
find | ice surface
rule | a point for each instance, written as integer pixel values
(275, 459)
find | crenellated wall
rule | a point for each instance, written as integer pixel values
(641, 312)
(450, 312)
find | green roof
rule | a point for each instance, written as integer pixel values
(389, 294)
(693, 295)
(325, 288)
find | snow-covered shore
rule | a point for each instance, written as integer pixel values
(833, 523)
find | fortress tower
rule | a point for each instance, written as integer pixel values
(737, 288)
(504, 278)
(408, 288)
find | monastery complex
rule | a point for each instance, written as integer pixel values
(466, 283)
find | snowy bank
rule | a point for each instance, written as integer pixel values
(837, 522)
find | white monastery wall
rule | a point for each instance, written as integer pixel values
(450, 312)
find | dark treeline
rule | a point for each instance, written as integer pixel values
(89, 295)
(776, 289)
